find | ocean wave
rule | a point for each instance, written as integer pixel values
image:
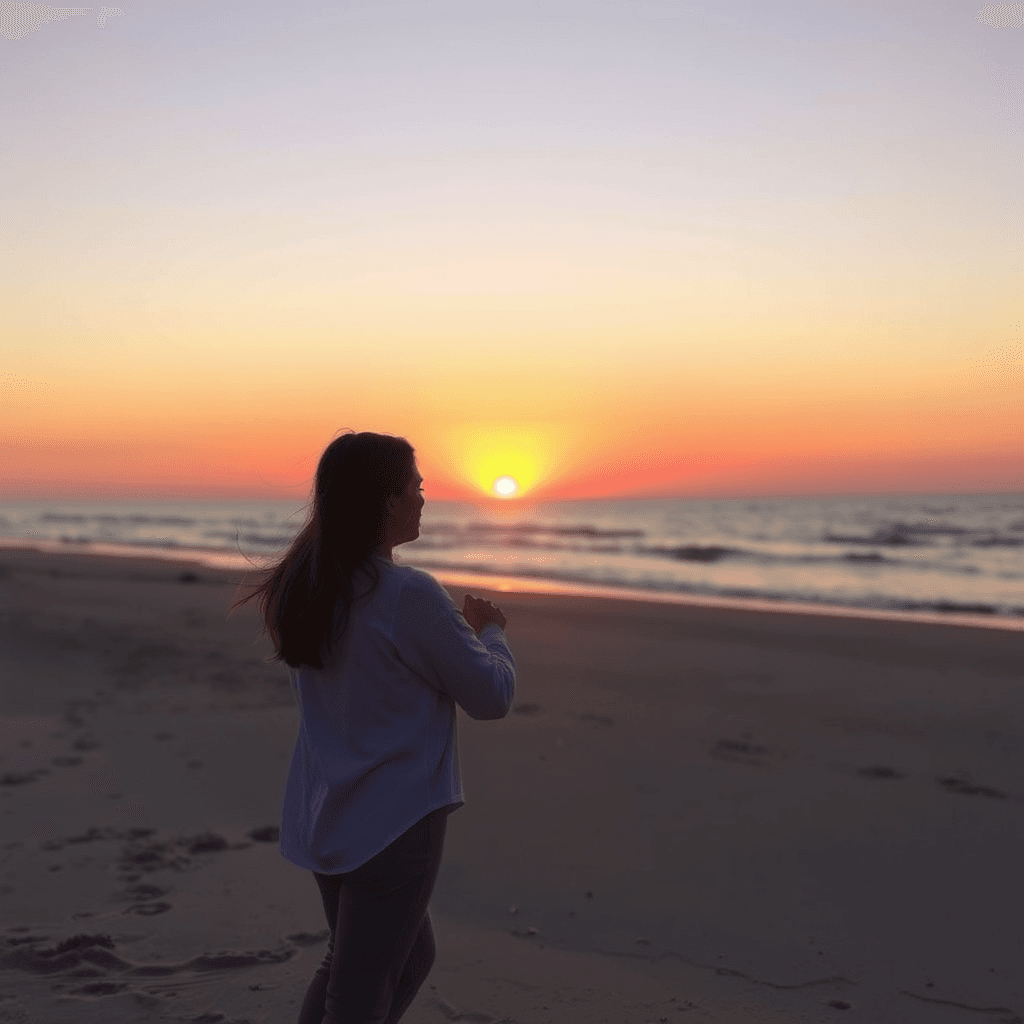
(522, 529)
(160, 543)
(696, 552)
(952, 607)
(907, 534)
(886, 535)
(705, 553)
(262, 540)
(963, 607)
(104, 517)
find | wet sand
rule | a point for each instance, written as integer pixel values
(691, 814)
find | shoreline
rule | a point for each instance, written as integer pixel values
(229, 561)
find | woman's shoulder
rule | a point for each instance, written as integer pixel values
(417, 582)
(412, 576)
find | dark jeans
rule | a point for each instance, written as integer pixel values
(382, 945)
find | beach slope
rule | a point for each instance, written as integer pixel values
(691, 814)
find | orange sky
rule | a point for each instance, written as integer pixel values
(690, 252)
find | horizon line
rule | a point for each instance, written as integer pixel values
(483, 498)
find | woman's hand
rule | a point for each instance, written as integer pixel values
(478, 613)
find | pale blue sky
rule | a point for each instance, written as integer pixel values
(820, 190)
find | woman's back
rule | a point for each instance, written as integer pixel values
(377, 746)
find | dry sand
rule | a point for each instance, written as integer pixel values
(692, 814)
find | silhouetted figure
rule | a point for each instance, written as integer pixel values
(380, 655)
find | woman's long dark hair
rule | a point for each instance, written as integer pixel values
(306, 599)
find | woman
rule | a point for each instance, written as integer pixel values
(380, 655)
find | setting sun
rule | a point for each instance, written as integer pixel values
(505, 487)
(522, 457)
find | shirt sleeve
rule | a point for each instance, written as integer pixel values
(439, 645)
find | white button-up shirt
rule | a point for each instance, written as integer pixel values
(377, 747)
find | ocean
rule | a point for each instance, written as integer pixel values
(958, 557)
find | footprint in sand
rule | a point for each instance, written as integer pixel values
(450, 1013)
(966, 788)
(21, 778)
(265, 834)
(144, 853)
(148, 909)
(150, 857)
(208, 842)
(100, 988)
(144, 892)
(309, 938)
(880, 771)
(739, 750)
(87, 952)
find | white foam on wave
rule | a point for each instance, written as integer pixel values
(527, 585)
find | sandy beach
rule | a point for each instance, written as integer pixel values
(691, 814)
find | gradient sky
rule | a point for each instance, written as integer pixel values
(613, 248)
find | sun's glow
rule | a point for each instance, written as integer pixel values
(527, 454)
(505, 487)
